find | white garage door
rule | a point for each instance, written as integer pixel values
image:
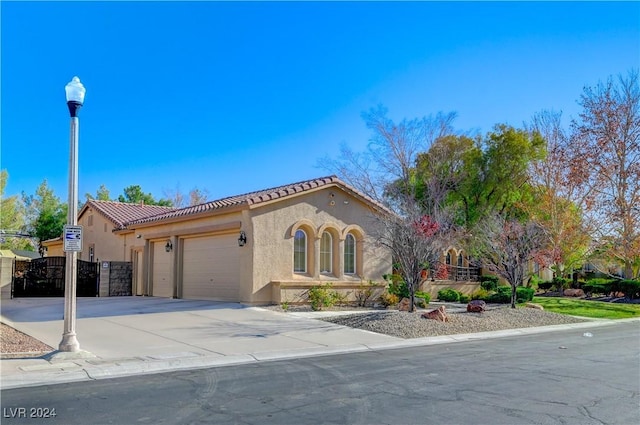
(211, 268)
(161, 278)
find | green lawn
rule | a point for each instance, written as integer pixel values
(584, 308)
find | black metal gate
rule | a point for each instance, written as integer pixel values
(45, 277)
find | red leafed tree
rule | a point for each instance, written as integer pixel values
(609, 128)
(415, 241)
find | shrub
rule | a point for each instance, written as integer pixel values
(501, 296)
(323, 296)
(480, 294)
(524, 294)
(420, 303)
(398, 287)
(464, 298)
(630, 288)
(364, 293)
(388, 299)
(449, 295)
(489, 283)
(600, 286)
(561, 283)
(424, 295)
(545, 285)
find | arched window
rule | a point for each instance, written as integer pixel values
(300, 252)
(448, 260)
(460, 260)
(326, 253)
(350, 254)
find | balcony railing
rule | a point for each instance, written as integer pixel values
(456, 273)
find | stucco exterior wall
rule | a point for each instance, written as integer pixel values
(331, 209)
(98, 231)
(6, 270)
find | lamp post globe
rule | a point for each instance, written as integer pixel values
(75, 92)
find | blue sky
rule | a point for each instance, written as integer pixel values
(233, 97)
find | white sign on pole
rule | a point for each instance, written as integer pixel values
(72, 238)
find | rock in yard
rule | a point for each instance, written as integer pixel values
(404, 304)
(476, 306)
(438, 314)
(536, 306)
(573, 293)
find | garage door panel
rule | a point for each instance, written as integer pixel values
(210, 268)
(161, 273)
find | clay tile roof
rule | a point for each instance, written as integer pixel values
(120, 213)
(254, 198)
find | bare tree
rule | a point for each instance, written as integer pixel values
(562, 185)
(506, 247)
(179, 200)
(610, 129)
(415, 240)
(391, 153)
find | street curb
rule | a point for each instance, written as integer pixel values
(82, 370)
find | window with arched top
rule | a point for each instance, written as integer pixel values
(448, 259)
(326, 253)
(350, 254)
(300, 252)
(460, 260)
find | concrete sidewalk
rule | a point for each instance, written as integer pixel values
(135, 335)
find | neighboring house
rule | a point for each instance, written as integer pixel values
(99, 219)
(262, 247)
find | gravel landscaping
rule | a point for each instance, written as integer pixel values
(497, 317)
(17, 344)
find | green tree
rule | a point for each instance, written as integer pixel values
(46, 215)
(134, 195)
(12, 217)
(102, 194)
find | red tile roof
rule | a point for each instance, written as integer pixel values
(120, 213)
(253, 198)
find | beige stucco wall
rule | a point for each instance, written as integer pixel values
(6, 270)
(272, 229)
(107, 245)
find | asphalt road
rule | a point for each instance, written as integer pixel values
(551, 378)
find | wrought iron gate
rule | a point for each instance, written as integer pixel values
(45, 277)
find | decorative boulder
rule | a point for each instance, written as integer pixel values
(404, 304)
(476, 306)
(438, 314)
(573, 293)
(536, 306)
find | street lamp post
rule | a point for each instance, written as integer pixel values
(75, 98)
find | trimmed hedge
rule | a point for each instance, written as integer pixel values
(489, 283)
(449, 295)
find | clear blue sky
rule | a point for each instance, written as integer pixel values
(239, 96)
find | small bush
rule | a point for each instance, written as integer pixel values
(449, 295)
(388, 299)
(524, 294)
(600, 286)
(630, 288)
(364, 293)
(323, 296)
(398, 287)
(480, 294)
(424, 295)
(464, 299)
(489, 283)
(561, 283)
(501, 296)
(545, 285)
(420, 303)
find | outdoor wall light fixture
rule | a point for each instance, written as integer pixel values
(242, 239)
(169, 246)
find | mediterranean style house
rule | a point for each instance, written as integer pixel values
(262, 247)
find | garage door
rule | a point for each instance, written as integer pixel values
(160, 274)
(211, 268)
